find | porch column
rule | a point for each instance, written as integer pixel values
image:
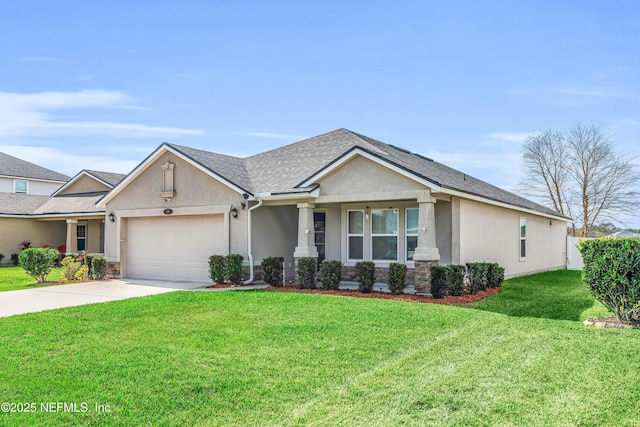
(72, 234)
(426, 253)
(306, 235)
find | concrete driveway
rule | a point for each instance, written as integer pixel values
(50, 297)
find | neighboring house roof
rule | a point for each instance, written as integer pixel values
(289, 168)
(72, 203)
(109, 179)
(14, 167)
(20, 204)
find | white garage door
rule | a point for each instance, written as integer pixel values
(174, 248)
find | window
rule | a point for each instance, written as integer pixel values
(20, 186)
(411, 229)
(319, 221)
(355, 235)
(81, 237)
(523, 238)
(384, 234)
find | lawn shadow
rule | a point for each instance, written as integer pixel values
(557, 295)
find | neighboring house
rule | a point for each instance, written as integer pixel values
(21, 177)
(69, 217)
(340, 196)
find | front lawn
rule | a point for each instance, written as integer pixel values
(553, 295)
(275, 358)
(15, 278)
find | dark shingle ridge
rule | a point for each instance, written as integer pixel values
(13, 166)
(110, 178)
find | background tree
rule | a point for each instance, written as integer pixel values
(580, 175)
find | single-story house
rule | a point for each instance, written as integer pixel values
(340, 195)
(51, 209)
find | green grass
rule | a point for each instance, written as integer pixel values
(275, 358)
(15, 278)
(553, 295)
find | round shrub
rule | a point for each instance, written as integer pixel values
(331, 271)
(612, 272)
(397, 281)
(365, 275)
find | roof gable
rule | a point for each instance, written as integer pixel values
(15, 167)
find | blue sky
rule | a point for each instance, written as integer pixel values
(99, 85)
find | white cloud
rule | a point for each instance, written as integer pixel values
(511, 137)
(27, 115)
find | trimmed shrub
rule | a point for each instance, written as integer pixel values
(365, 275)
(233, 268)
(439, 280)
(98, 267)
(37, 262)
(306, 270)
(72, 268)
(455, 284)
(15, 260)
(272, 270)
(397, 281)
(612, 272)
(495, 275)
(216, 268)
(477, 272)
(331, 271)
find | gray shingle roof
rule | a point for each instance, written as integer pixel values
(109, 177)
(283, 170)
(12, 166)
(73, 203)
(20, 204)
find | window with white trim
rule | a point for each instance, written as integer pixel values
(20, 186)
(384, 234)
(523, 238)
(411, 230)
(355, 235)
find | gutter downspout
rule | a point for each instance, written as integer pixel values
(249, 243)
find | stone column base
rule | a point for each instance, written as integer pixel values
(422, 280)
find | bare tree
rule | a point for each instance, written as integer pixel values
(581, 175)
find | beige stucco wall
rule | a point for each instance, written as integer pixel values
(85, 184)
(492, 234)
(275, 233)
(195, 193)
(363, 176)
(15, 230)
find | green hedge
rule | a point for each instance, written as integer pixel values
(365, 275)
(397, 281)
(612, 272)
(306, 269)
(439, 280)
(457, 273)
(272, 270)
(331, 271)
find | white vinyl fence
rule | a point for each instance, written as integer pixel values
(574, 259)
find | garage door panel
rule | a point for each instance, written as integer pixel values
(174, 248)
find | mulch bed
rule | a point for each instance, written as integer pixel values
(608, 322)
(449, 300)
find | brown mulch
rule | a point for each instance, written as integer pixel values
(608, 322)
(227, 285)
(449, 300)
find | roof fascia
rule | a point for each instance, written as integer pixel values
(358, 151)
(492, 202)
(152, 158)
